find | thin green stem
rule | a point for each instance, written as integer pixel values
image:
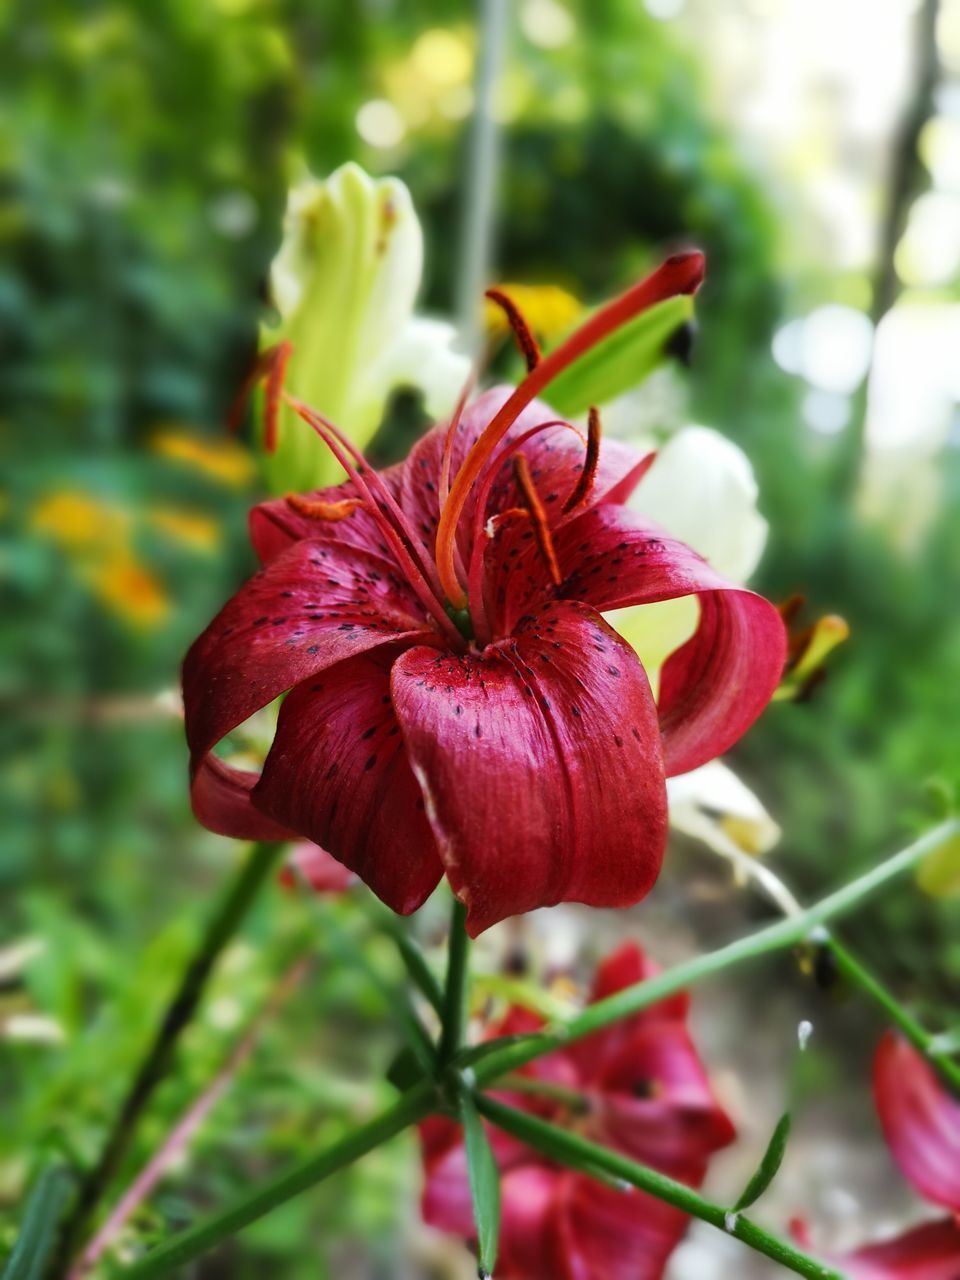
(784, 933)
(576, 1101)
(419, 972)
(456, 990)
(187, 1245)
(577, 1152)
(156, 1064)
(854, 970)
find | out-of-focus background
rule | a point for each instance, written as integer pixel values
(813, 150)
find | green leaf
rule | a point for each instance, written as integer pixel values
(484, 1182)
(621, 361)
(41, 1218)
(767, 1169)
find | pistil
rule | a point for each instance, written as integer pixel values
(682, 273)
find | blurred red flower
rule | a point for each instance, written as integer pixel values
(921, 1123)
(645, 1093)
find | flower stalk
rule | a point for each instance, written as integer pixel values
(423, 1098)
(159, 1057)
(775, 937)
(575, 1151)
(456, 992)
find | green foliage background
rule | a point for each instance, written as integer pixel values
(145, 150)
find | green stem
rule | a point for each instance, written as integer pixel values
(784, 933)
(576, 1101)
(572, 1150)
(155, 1065)
(919, 1037)
(187, 1245)
(419, 972)
(455, 992)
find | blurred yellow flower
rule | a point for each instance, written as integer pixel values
(939, 873)
(130, 590)
(80, 521)
(549, 310)
(191, 528)
(222, 460)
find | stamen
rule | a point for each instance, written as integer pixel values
(538, 516)
(522, 333)
(272, 365)
(584, 486)
(680, 274)
(317, 509)
(271, 412)
(383, 494)
(409, 567)
(481, 623)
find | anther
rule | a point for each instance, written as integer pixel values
(523, 336)
(318, 509)
(584, 486)
(538, 516)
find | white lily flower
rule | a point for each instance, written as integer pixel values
(344, 283)
(702, 490)
(713, 805)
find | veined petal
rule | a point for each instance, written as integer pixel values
(274, 525)
(713, 687)
(220, 795)
(310, 607)
(539, 760)
(338, 774)
(920, 1120)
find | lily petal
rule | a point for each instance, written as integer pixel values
(656, 1102)
(930, 1251)
(920, 1120)
(714, 686)
(274, 525)
(309, 608)
(539, 761)
(601, 1233)
(713, 805)
(220, 796)
(338, 773)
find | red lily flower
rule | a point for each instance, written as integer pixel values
(645, 1093)
(456, 703)
(921, 1123)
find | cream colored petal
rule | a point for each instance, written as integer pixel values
(656, 630)
(344, 282)
(423, 356)
(713, 805)
(702, 489)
